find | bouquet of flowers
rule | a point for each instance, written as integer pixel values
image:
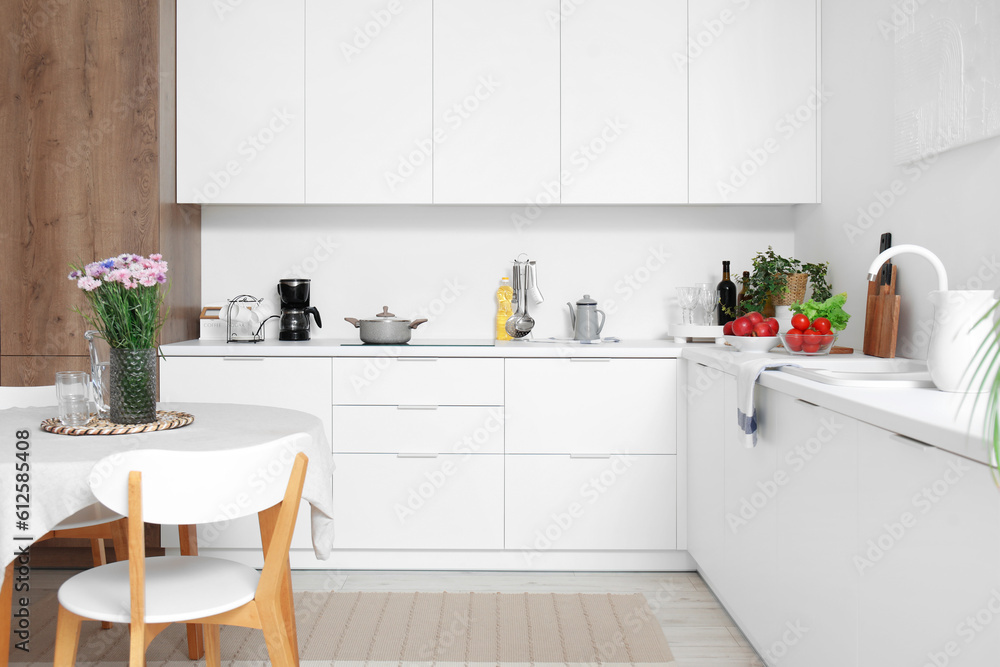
(124, 295)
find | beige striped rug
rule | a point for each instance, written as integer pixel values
(407, 629)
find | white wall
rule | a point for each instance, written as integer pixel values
(950, 204)
(445, 262)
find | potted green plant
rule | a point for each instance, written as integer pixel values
(777, 280)
(988, 367)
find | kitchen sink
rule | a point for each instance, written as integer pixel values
(887, 373)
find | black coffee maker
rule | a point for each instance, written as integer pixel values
(295, 309)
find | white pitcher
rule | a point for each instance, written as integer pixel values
(959, 331)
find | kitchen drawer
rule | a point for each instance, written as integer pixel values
(451, 501)
(565, 503)
(387, 429)
(417, 381)
(591, 406)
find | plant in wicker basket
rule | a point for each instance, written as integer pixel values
(781, 281)
(127, 309)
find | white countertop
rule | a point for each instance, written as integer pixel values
(351, 347)
(928, 415)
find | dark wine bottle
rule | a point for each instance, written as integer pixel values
(740, 308)
(727, 296)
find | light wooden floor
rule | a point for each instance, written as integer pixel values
(700, 632)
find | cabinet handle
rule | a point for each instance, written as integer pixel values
(589, 359)
(416, 456)
(416, 407)
(907, 440)
(809, 403)
(416, 358)
(243, 358)
(590, 456)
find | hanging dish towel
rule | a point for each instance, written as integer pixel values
(746, 384)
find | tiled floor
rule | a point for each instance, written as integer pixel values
(700, 632)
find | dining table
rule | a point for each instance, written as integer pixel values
(46, 476)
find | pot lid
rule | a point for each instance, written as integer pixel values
(385, 316)
(587, 300)
(385, 312)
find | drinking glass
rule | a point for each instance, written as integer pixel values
(708, 299)
(687, 296)
(699, 300)
(74, 398)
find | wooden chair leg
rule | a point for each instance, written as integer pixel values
(6, 600)
(195, 634)
(100, 557)
(67, 638)
(288, 611)
(213, 656)
(279, 645)
(137, 647)
(119, 539)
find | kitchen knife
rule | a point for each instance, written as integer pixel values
(885, 275)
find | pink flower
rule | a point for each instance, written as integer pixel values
(87, 283)
(160, 278)
(147, 281)
(156, 257)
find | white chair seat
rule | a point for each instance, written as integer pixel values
(178, 588)
(93, 515)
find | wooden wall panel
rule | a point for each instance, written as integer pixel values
(36, 371)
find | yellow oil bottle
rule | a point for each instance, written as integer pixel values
(505, 297)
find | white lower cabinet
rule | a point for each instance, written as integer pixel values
(562, 502)
(448, 501)
(301, 383)
(927, 555)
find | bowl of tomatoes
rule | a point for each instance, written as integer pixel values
(752, 333)
(809, 338)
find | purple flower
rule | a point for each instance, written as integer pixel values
(160, 278)
(74, 275)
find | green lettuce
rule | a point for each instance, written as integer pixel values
(832, 309)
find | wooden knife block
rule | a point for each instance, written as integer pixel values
(882, 319)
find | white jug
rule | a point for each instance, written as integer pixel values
(959, 332)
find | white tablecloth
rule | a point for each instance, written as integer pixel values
(61, 464)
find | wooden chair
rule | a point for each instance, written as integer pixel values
(96, 523)
(151, 593)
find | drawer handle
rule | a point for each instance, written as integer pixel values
(416, 358)
(416, 407)
(589, 359)
(805, 402)
(590, 456)
(416, 456)
(243, 358)
(905, 439)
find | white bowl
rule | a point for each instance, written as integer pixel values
(753, 343)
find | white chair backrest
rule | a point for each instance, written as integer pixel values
(184, 487)
(28, 397)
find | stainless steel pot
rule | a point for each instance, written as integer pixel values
(385, 328)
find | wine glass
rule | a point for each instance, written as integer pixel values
(709, 300)
(687, 296)
(700, 288)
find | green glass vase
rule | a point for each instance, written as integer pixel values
(133, 386)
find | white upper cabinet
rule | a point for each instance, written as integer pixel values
(755, 99)
(240, 102)
(624, 102)
(368, 101)
(496, 101)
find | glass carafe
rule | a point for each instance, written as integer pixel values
(100, 372)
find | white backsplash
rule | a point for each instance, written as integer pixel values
(444, 263)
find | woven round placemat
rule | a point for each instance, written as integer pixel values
(165, 420)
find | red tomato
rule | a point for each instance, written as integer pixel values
(775, 326)
(742, 326)
(793, 340)
(754, 317)
(727, 329)
(825, 339)
(810, 332)
(811, 348)
(763, 330)
(800, 321)
(822, 325)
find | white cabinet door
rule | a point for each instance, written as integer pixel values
(417, 381)
(368, 83)
(751, 521)
(564, 503)
(753, 69)
(624, 103)
(381, 429)
(704, 398)
(816, 621)
(927, 556)
(240, 102)
(591, 406)
(298, 384)
(382, 501)
(496, 101)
